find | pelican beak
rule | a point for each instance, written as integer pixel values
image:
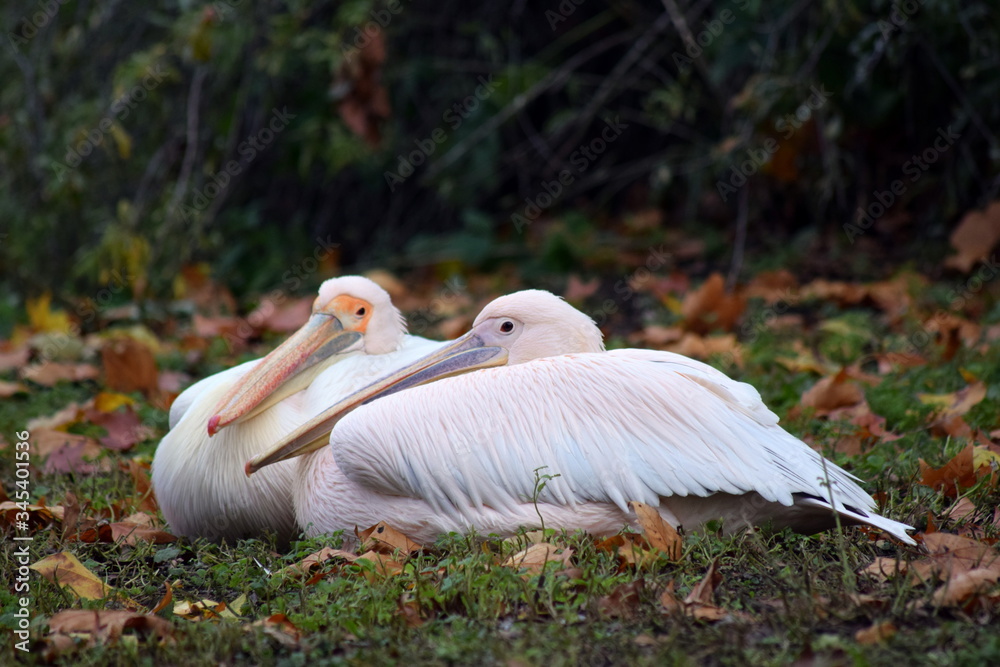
(291, 366)
(467, 353)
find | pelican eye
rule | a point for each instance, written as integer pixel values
(507, 326)
(361, 312)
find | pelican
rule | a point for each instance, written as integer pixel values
(547, 403)
(221, 421)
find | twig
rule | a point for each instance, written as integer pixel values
(739, 244)
(191, 149)
(551, 80)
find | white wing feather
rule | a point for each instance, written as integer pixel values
(616, 427)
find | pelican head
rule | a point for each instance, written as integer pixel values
(512, 329)
(350, 314)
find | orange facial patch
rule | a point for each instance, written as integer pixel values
(352, 312)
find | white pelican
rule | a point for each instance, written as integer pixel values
(620, 426)
(199, 480)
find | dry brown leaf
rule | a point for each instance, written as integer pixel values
(623, 600)
(279, 628)
(577, 290)
(710, 307)
(958, 588)
(135, 529)
(285, 317)
(963, 509)
(409, 610)
(311, 563)
(165, 601)
(13, 360)
(67, 452)
(772, 286)
(385, 565)
(48, 373)
(8, 389)
(974, 237)
(145, 499)
(39, 516)
(384, 537)
(957, 474)
(660, 534)
(704, 591)
(66, 570)
(364, 101)
(105, 625)
(876, 634)
(535, 557)
(883, 568)
(129, 366)
(832, 393)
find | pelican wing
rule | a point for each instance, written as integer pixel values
(610, 427)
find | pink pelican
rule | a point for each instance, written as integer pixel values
(608, 427)
(353, 335)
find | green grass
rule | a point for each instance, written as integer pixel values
(792, 597)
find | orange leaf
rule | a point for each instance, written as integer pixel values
(536, 556)
(385, 536)
(876, 634)
(974, 237)
(660, 534)
(956, 474)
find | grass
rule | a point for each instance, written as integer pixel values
(791, 597)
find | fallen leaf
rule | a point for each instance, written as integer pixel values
(883, 568)
(311, 563)
(535, 557)
(203, 610)
(123, 426)
(832, 393)
(139, 528)
(49, 373)
(957, 589)
(385, 565)
(129, 366)
(67, 571)
(660, 534)
(710, 307)
(106, 625)
(623, 600)
(962, 510)
(385, 536)
(704, 591)
(165, 601)
(67, 452)
(876, 634)
(974, 237)
(957, 474)
(39, 516)
(279, 628)
(8, 389)
(41, 317)
(13, 360)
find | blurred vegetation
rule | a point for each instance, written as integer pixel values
(118, 122)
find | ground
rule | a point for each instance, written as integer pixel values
(896, 380)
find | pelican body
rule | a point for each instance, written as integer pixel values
(465, 449)
(221, 421)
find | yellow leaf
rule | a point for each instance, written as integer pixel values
(67, 571)
(123, 141)
(43, 318)
(983, 456)
(109, 401)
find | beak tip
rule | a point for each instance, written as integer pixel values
(213, 425)
(248, 469)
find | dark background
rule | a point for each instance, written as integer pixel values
(163, 96)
